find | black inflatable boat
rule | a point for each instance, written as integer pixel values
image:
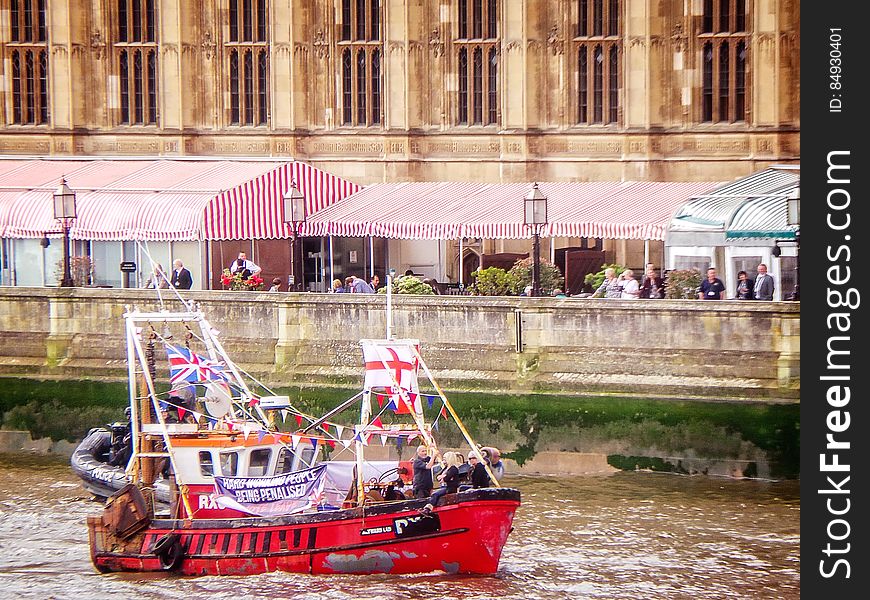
(100, 460)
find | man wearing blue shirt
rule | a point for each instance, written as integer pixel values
(712, 288)
(355, 285)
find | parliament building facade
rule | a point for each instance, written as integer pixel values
(415, 90)
(412, 90)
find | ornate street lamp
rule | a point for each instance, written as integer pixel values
(794, 220)
(65, 211)
(295, 213)
(536, 216)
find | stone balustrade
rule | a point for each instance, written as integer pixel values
(665, 348)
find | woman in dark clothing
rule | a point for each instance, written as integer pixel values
(745, 287)
(449, 480)
(478, 476)
(652, 286)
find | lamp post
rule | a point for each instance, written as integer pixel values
(391, 277)
(295, 214)
(794, 220)
(536, 216)
(65, 211)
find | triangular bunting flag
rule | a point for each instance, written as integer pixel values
(346, 443)
(435, 426)
(294, 439)
(380, 399)
(314, 443)
(339, 430)
(246, 430)
(378, 423)
(383, 440)
(284, 413)
(444, 412)
(399, 443)
(298, 420)
(331, 443)
(260, 435)
(181, 413)
(392, 405)
(430, 400)
(325, 427)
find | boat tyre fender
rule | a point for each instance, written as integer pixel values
(169, 551)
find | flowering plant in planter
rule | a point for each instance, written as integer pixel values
(234, 281)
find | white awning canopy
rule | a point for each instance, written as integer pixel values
(161, 199)
(449, 210)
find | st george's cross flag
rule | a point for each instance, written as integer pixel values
(185, 365)
(391, 362)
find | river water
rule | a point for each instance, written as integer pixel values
(627, 535)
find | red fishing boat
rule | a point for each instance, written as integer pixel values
(247, 496)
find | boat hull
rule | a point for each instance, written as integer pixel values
(466, 534)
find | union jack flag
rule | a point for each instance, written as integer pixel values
(185, 365)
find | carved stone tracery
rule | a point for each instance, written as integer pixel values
(321, 45)
(97, 44)
(208, 45)
(435, 44)
(554, 40)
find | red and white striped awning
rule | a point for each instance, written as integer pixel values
(161, 199)
(441, 210)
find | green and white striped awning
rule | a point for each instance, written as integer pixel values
(751, 207)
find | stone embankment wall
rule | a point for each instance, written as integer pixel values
(682, 349)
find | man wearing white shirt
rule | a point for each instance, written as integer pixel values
(242, 264)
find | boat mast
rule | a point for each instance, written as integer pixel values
(143, 449)
(135, 418)
(364, 416)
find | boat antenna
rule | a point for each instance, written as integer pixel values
(391, 275)
(189, 305)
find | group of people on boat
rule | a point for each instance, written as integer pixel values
(453, 472)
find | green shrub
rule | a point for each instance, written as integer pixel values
(493, 282)
(408, 284)
(57, 421)
(683, 284)
(521, 276)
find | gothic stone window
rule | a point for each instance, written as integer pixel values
(724, 44)
(597, 49)
(247, 62)
(135, 55)
(361, 50)
(476, 50)
(27, 53)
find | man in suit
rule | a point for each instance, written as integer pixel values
(181, 277)
(763, 284)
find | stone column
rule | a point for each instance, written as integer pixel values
(66, 108)
(171, 94)
(395, 65)
(62, 328)
(281, 49)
